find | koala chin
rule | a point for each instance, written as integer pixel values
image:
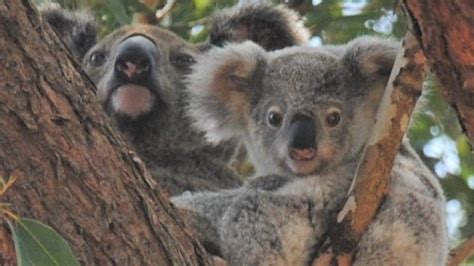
(132, 100)
(304, 115)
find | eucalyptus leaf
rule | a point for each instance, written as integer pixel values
(38, 244)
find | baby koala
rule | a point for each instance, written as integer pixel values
(304, 115)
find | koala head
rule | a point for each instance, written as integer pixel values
(138, 71)
(300, 110)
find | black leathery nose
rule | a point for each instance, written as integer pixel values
(135, 59)
(302, 133)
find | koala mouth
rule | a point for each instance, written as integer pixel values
(304, 164)
(311, 163)
(304, 167)
(132, 100)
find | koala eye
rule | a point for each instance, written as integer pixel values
(97, 58)
(333, 118)
(274, 118)
(182, 60)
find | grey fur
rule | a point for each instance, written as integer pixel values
(277, 218)
(77, 29)
(272, 27)
(175, 153)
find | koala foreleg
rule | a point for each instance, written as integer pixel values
(261, 228)
(410, 228)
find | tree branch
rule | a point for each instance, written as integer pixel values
(462, 252)
(372, 179)
(449, 47)
(165, 10)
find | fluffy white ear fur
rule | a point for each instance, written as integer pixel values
(372, 56)
(219, 86)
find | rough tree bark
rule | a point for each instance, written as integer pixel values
(446, 36)
(445, 30)
(75, 172)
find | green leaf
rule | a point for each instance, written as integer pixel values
(118, 10)
(38, 244)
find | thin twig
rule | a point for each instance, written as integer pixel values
(5, 186)
(9, 213)
(462, 252)
(163, 12)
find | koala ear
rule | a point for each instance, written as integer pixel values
(220, 89)
(371, 58)
(272, 27)
(368, 61)
(77, 29)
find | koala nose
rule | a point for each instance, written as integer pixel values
(135, 59)
(302, 138)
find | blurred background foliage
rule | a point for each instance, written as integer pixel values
(435, 133)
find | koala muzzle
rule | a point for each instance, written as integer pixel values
(135, 60)
(302, 138)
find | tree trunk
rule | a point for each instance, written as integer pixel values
(446, 33)
(75, 172)
(445, 30)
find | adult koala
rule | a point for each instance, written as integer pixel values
(139, 73)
